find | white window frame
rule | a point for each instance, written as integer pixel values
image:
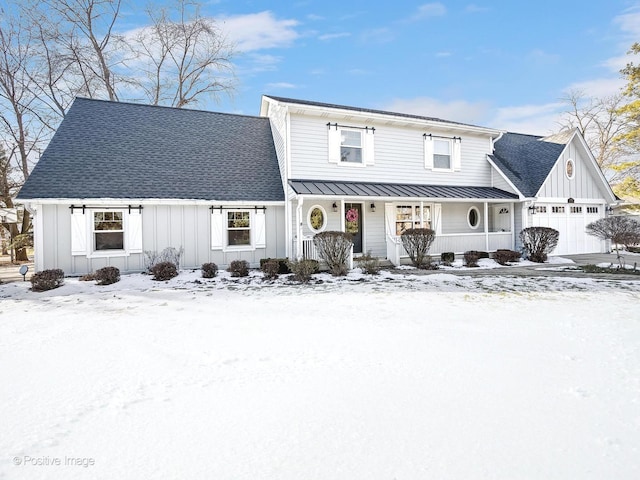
(366, 145)
(448, 142)
(571, 162)
(324, 219)
(473, 208)
(227, 229)
(417, 221)
(95, 232)
(83, 232)
(361, 147)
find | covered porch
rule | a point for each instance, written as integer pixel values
(376, 214)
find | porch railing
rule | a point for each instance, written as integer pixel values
(455, 242)
(310, 252)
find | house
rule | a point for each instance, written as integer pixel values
(119, 179)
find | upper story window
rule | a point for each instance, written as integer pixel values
(351, 146)
(442, 153)
(570, 169)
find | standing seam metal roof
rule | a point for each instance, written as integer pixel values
(367, 189)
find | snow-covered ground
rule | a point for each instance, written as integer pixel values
(393, 377)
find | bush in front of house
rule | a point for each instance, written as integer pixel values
(47, 280)
(538, 242)
(417, 242)
(283, 264)
(334, 248)
(504, 256)
(169, 254)
(447, 258)
(471, 258)
(270, 269)
(303, 269)
(368, 263)
(107, 275)
(209, 270)
(164, 271)
(238, 268)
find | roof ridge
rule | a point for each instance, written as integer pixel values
(137, 104)
(371, 110)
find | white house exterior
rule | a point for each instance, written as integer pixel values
(399, 171)
(120, 179)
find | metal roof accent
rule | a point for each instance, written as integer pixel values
(396, 190)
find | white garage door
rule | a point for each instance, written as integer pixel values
(570, 220)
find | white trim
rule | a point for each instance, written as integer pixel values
(324, 218)
(505, 178)
(473, 207)
(406, 199)
(383, 117)
(124, 202)
(573, 168)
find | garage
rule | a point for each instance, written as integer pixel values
(571, 221)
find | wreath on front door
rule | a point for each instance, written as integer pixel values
(352, 215)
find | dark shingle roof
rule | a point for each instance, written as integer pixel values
(366, 110)
(526, 160)
(369, 189)
(122, 150)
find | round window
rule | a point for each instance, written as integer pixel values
(570, 168)
(317, 219)
(473, 217)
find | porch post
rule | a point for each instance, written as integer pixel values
(299, 228)
(486, 226)
(342, 214)
(513, 225)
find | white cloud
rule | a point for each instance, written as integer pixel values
(378, 35)
(281, 86)
(332, 36)
(429, 10)
(532, 119)
(473, 8)
(313, 17)
(443, 54)
(629, 22)
(598, 87)
(258, 31)
(456, 110)
(541, 57)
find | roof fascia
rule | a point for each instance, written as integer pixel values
(505, 178)
(594, 165)
(145, 201)
(386, 117)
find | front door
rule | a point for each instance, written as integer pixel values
(353, 224)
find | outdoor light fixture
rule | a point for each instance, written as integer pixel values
(334, 206)
(532, 209)
(373, 207)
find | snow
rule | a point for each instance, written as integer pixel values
(399, 376)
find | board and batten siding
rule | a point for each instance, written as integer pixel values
(186, 226)
(582, 186)
(399, 155)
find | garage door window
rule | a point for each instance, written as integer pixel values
(592, 209)
(557, 209)
(576, 209)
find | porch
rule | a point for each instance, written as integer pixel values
(463, 218)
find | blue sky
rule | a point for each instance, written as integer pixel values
(502, 64)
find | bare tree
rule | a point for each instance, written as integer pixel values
(85, 33)
(182, 59)
(621, 230)
(601, 124)
(20, 122)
